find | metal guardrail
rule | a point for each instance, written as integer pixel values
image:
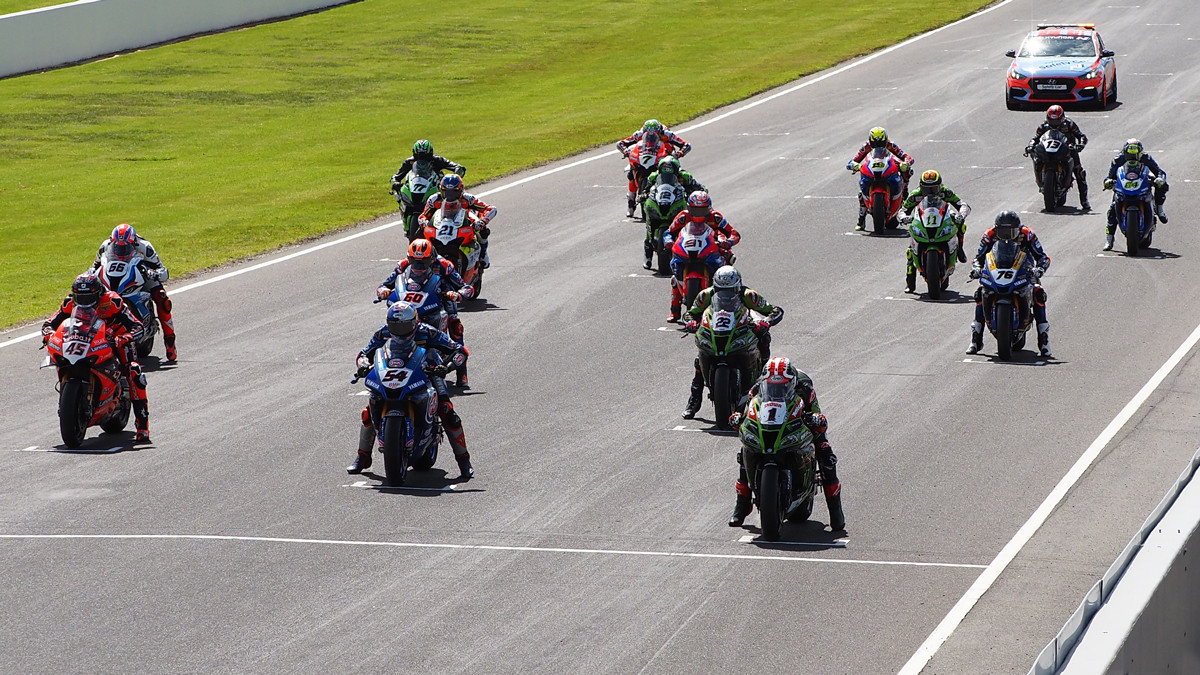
(1055, 654)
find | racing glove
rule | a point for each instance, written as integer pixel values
(1159, 181)
(383, 292)
(1109, 183)
(852, 165)
(452, 296)
(904, 167)
(364, 364)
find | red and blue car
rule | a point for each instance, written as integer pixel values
(1061, 63)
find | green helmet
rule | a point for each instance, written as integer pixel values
(669, 164)
(652, 126)
(1133, 150)
(423, 149)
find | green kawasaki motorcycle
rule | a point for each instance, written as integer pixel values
(780, 460)
(729, 356)
(933, 244)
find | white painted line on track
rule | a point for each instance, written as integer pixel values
(72, 451)
(830, 197)
(952, 140)
(486, 547)
(996, 363)
(683, 428)
(836, 543)
(376, 486)
(611, 153)
(947, 626)
(29, 449)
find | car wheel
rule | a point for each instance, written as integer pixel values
(1010, 102)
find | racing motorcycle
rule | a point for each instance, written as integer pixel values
(128, 279)
(643, 159)
(1058, 167)
(1007, 279)
(696, 242)
(934, 242)
(425, 297)
(875, 173)
(407, 429)
(777, 447)
(419, 185)
(91, 388)
(729, 356)
(664, 202)
(453, 235)
(1133, 202)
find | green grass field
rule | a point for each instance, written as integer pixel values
(10, 6)
(233, 144)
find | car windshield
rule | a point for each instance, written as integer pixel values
(1041, 46)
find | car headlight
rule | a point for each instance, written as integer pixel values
(1092, 74)
(1016, 75)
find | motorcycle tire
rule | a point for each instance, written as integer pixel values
(1133, 231)
(769, 502)
(664, 260)
(426, 461)
(879, 214)
(1004, 332)
(145, 346)
(478, 285)
(691, 290)
(73, 415)
(116, 422)
(395, 455)
(1050, 190)
(934, 272)
(722, 395)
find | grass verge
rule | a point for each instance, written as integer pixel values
(10, 6)
(229, 145)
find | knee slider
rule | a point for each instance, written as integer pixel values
(366, 416)
(1039, 295)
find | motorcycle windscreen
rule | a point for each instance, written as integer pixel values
(423, 168)
(1053, 140)
(1005, 253)
(696, 230)
(726, 300)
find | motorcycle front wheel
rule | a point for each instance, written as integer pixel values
(723, 396)
(1004, 331)
(395, 457)
(73, 414)
(933, 273)
(768, 502)
(879, 214)
(1133, 230)
(1050, 190)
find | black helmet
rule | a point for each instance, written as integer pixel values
(1008, 224)
(86, 290)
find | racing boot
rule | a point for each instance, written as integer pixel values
(466, 471)
(694, 399)
(673, 317)
(1162, 215)
(976, 338)
(910, 274)
(169, 341)
(1044, 339)
(648, 252)
(833, 500)
(962, 254)
(141, 414)
(461, 374)
(1083, 200)
(484, 261)
(366, 439)
(1108, 242)
(743, 506)
(862, 218)
(631, 204)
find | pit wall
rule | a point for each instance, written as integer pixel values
(79, 31)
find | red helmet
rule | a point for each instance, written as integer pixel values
(699, 205)
(124, 241)
(1054, 115)
(420, 255)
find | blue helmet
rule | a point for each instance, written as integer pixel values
(451, 187)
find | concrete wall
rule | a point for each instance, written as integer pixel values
(1151, 621)
(53, 36)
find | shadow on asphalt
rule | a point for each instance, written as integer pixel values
(898, 233)
(480, 305)
(712, 428)
(949, 296)
(810, 535)
(154, 364)
(104, 444)
(430, 483)
(1024, 358)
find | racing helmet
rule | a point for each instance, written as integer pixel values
(931, 184)
(779, 379)
(1055, 115)
(699, 206)
(652, 126)
(727, 281)
(422, 149)
(1133, 151)
(877, 137)
(451, 187)
(124, 241)
(420, 257)
(86, 290)
(402, 322)
(1008, 224)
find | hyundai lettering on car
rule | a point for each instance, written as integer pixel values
(1061, 63)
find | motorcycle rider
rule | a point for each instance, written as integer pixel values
(405, 329)
(781, 381)
(668, 173)
(700, 210)
(877, 137)
(422, 151)
(1057, 119)
(122, 328)
(727, 281)
(1133, 153)
(123, 244)
(653, 132)
(1008, 227)
(422, 262)
(450, 191)
(931, 186)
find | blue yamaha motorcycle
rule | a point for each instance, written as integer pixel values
(1007, 282)
(1133, 202)
(403, 411)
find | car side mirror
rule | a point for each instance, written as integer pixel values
(1012, 53)
(1107, 53)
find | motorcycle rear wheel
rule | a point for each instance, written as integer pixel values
(144, 347)
(395, 457)
(115, 423)
(934, 273)
(73, 415)
(1004, 331)
(768, 502)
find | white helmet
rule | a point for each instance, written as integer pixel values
(727, 278)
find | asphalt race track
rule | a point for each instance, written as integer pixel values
(594, 537)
